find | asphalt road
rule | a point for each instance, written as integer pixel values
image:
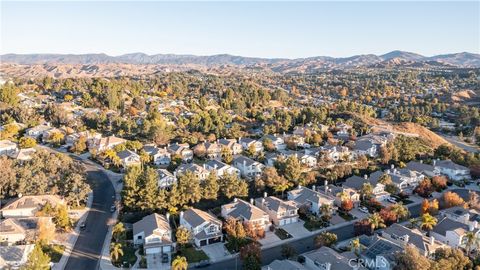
(88, 248)
(304, 245)
(455, 140)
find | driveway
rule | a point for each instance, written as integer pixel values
(215, 251)
(270, 239)
(358, 214)
(296, 229)
(154, 261)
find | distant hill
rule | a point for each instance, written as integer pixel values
(71, 65)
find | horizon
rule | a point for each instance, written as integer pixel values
(248, 29)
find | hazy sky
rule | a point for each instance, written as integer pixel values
(263, 29)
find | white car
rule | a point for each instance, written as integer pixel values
(363, 209)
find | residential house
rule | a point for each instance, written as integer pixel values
(154, 233)
(248, 167)
(246, 143)
(465, 216)
(106, 143)
(27, 206)
(453, 233)
(452, 170)
(221, 168)
(165, 179)
(402, 236)
(211, 150)
(335, 152)
(11, 231)
(365, 148)
(341, 193)
(277, 141)
(129, 158)
(200, 171)
(181, 150)
(423, 168)
(326, 258)
(37, 131)
(24, 154)
(47, 134)
(284, 265)
(7, 148)
(246, 212)
(92, 137)
(310, 198)
(13, 257)
(206, 229)
(231, 144)
(280, 212)
(381, 253)
(160, 156)
(356, 183)
(405, 179)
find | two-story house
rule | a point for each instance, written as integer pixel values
(277, 141)
(200, 171)
(402, 236)
(246, 212)
(280, 212)
(452, 170)
(209, 150)
(206, 229)
(231, 144)
(160, 156)
(129, 158)
(453, 233)
(246, 143)
(106, 143)
(248, 167)
(165, 179)
(28, 206)
(7, 148)
(221, 168)
(181, 150)
(154, 233)
(309, 198)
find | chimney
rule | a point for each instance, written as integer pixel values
(328, 266)
(235, 200)
(475, 224)
(471, 226)
(314, 188)
(265, 194)
(406, 238)
(244, 163)
(204, 166)
(263, 201)
(432, 240)
(434, 162)
(467, 218)
(251, 200)
(365, 176)
(421, 161)
(239, 138)
(167, 215)
(392, 166)
(215, 166)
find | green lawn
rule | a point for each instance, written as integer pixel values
(313, 225)
(54, 251)
(128, 255)
(345, 216)
(192, 254)
(282, 234)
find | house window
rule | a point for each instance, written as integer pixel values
(139, 237)
(211, 229)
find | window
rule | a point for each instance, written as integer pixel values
(139, 237)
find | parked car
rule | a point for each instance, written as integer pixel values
(392, 200)
(112, 208)
(363, 209)
(83, 226)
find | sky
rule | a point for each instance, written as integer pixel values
(256, 29)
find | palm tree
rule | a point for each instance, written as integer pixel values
(376, 221)
(180, 263)
(116, 251)
(343, 195)
(400, 210)
(355, 246)
(471, 241)
(414, 222)
(428, 221)
(118, 231)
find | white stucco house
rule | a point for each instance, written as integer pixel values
(154, 233)
(206, 229)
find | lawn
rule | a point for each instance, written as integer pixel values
(193, 255)
(313, 225)
(346, 216)
(54, 251)
(282, 234)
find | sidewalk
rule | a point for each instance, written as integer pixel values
(73, 236)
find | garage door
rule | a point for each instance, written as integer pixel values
(167, 249)
(152, 250)
(203, 243)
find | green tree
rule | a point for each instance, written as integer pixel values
(428, 221)
(131, 188)
(9, 94)
(325, 239)
(179, 263)
(210, 187)
(80, 145)
(27, 142)
(232, 186)
(355, 246)
(400, 210)
(411, 259)
(227, 155)
(119, 232)
(61, 218)
(376, 221)
(149, 189)
(293, 169)
(37, 260)
(183, 236)
(116, 251)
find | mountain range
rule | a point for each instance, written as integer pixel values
(463, 59)
(102, 65)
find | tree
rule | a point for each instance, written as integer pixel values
(61, 218)
(471, 241)
(293, 169)
(149, 189)
(37, 260)
(189, 189)
(131, 189)
(428, 222)
(268, 145)
(439, 182)
(80, 145)
(145, 157)
(119, 232)
(251, 150)
(424, 188)
(251, 256)
(116, 251)
(448, 258)
(232, 186)
(9, 94)
(347, 205)
(27, 142)
(376, 221)
(45, 231)
(288, 251)
(180, 263)
(411, 259)
(452, 199)
(400, 210)
(355, 246)
(366, 192)
(210, 187)
(183, 236)
(56, 138)
(325, 239)
(425, 206)
(227, 155)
